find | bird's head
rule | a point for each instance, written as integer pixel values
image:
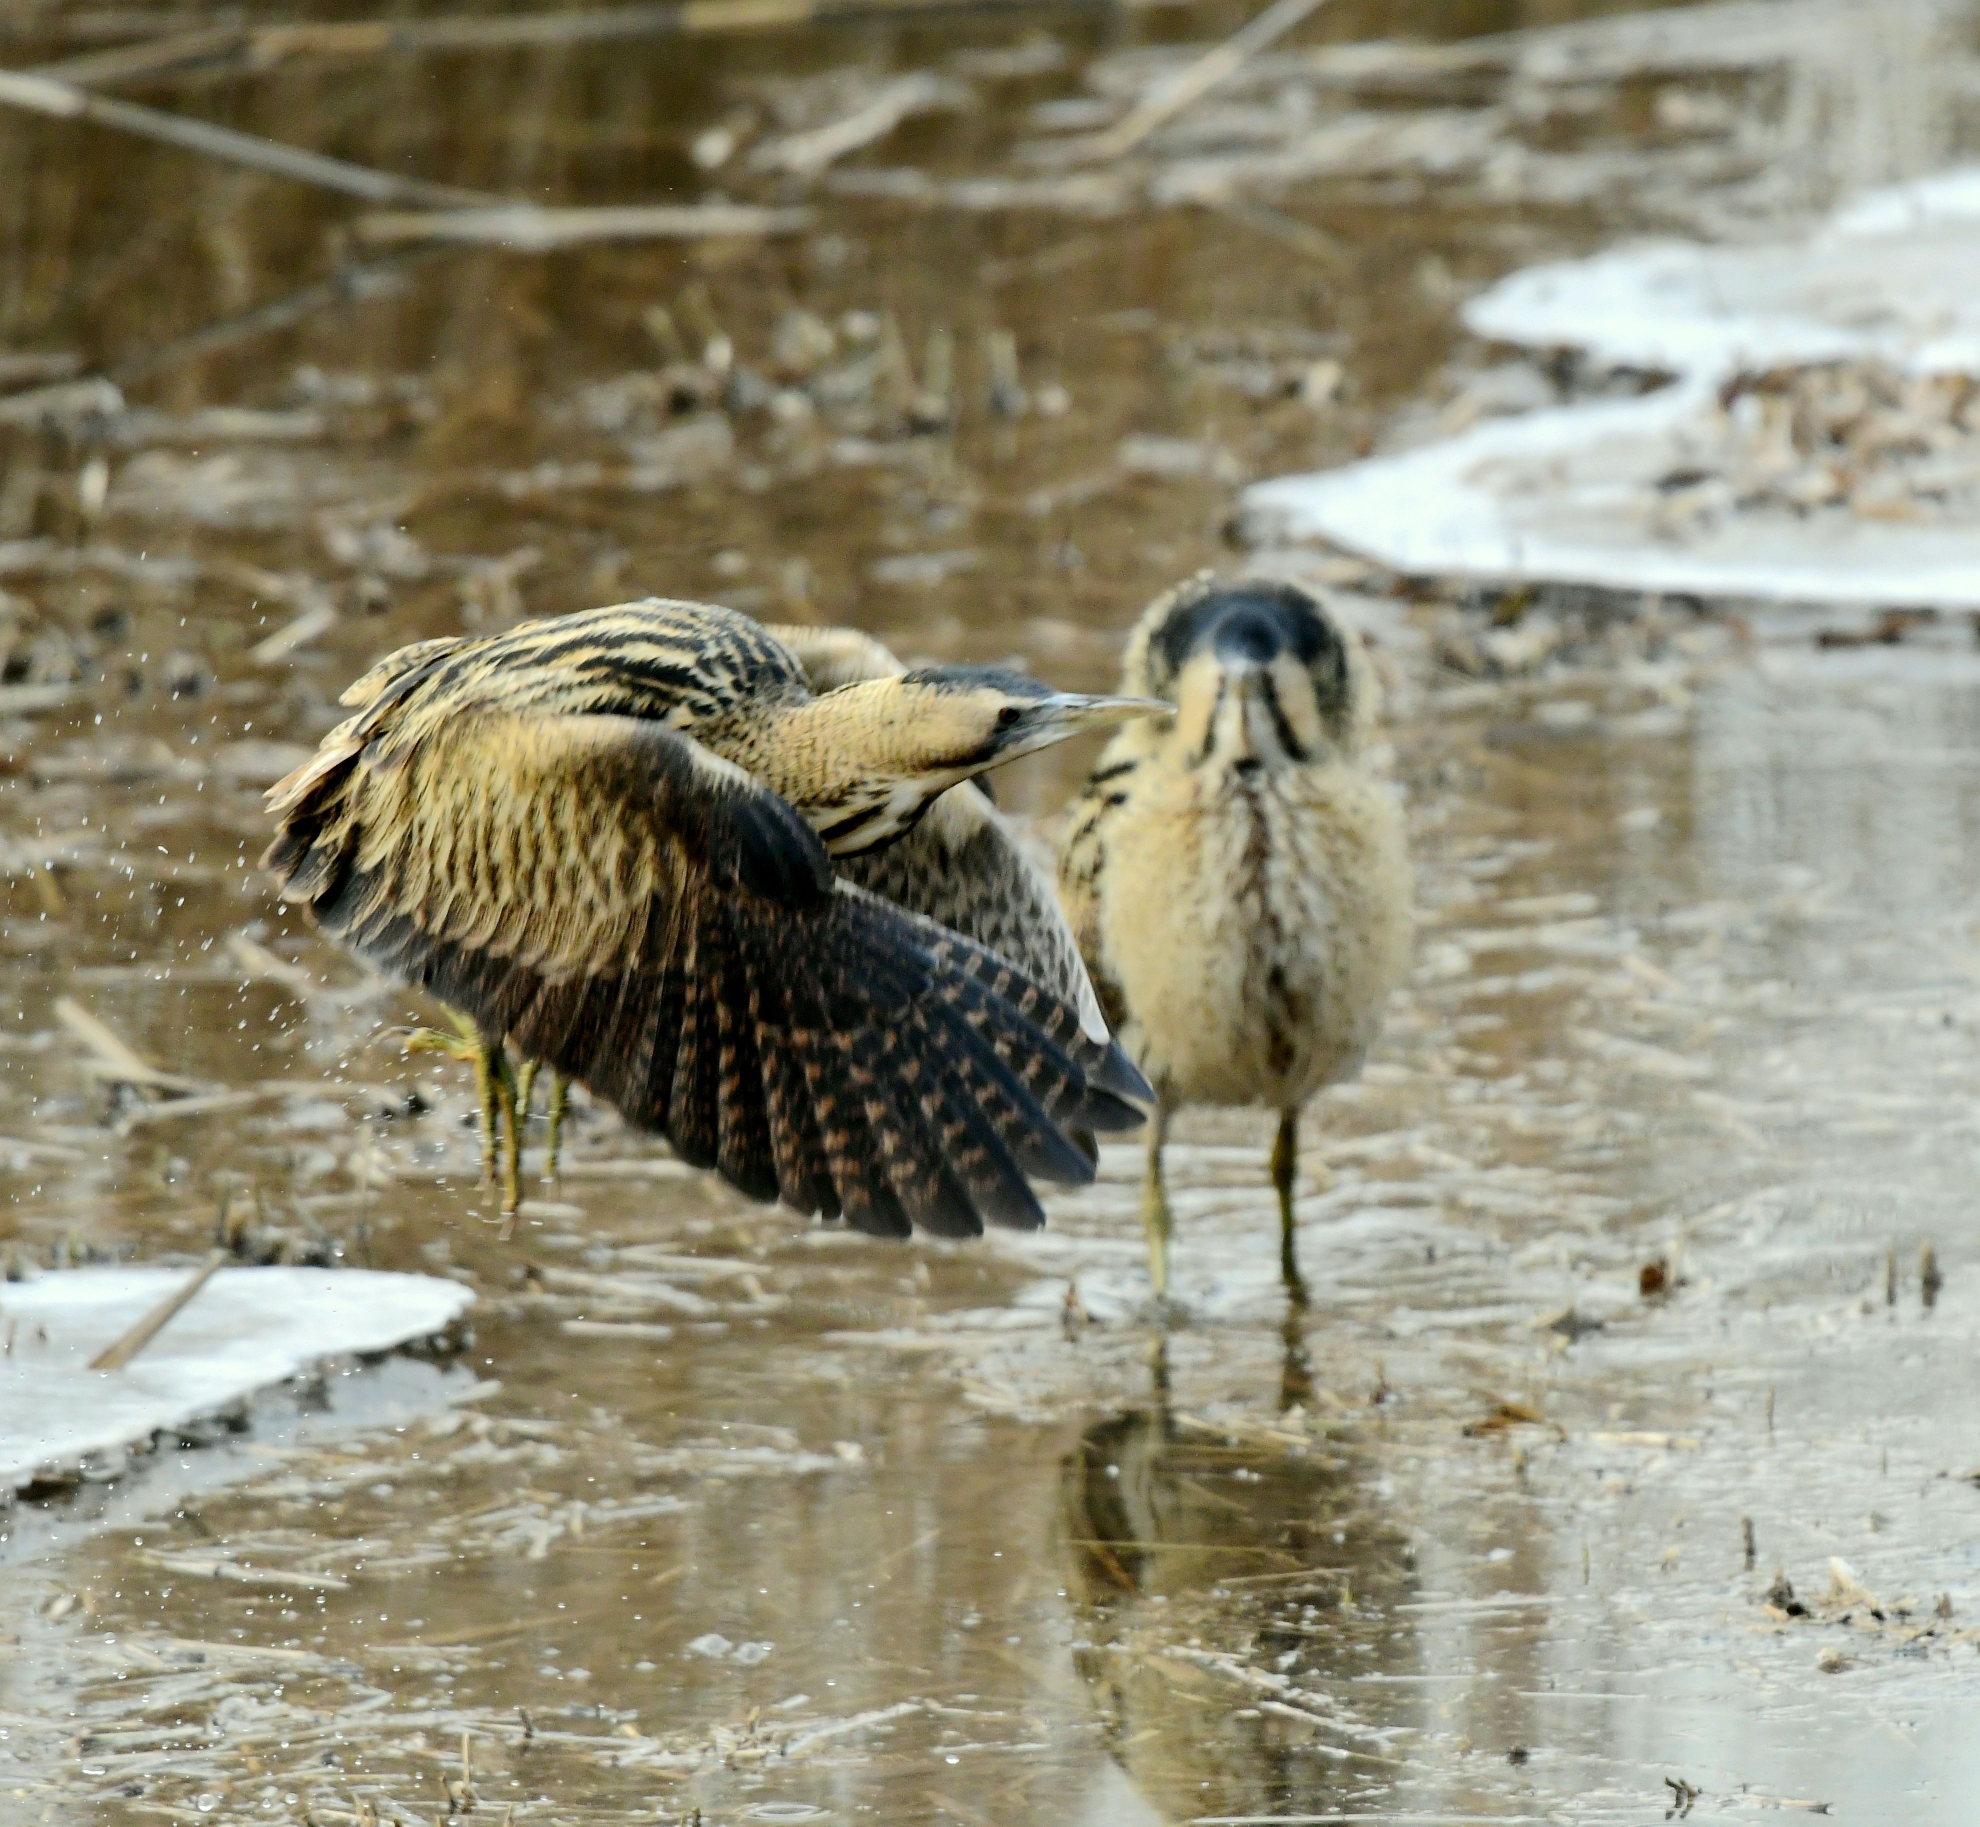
(1261, 673)
(918, 733)
(962, 720)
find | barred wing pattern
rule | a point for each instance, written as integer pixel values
(632, 909)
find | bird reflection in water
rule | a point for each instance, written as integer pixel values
(1234, 1580)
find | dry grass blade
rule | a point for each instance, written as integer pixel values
(805, 155)
(63, 101)
(58, 401)
(534, 230)
(1192, 84)
(266, 47)
(183, 1109)
(319, 619)
(351, 284)
(145, 58)
(220, 1567)
(116, 1356)
(262, 964)
(117, 1063)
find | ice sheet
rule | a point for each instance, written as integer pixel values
(1571, 494)
(1557, 497)
(245, 1330)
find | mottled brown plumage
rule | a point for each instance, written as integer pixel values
(1237, 875)
(614, 838)
(962, 866)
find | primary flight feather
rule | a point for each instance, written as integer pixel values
(631, 842)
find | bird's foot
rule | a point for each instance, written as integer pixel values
(454, 1045)
(463, 1043)
(501, 1097)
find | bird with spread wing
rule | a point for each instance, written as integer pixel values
(760, 912)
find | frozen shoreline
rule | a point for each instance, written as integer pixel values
(1574, 494)
(245, 1331)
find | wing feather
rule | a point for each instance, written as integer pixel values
(786, 1032)
(628, 907)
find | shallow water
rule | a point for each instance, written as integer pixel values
(786, 1525)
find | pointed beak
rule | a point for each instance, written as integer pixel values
(1065, 714)
(1069, 712)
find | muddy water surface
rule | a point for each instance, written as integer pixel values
(1624, 1461)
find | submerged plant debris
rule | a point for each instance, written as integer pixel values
(703, 1513)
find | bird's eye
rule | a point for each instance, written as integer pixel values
(1007, 716)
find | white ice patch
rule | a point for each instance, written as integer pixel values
(244, 1331)
(1570, 495)
(1888, 280)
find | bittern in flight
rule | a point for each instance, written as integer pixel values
(629, 842)
(1236, 876)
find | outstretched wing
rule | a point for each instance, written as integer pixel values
(962, 865)
(641, 914)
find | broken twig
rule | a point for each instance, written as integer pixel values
(116, 1356)
(531, 229)
(805, 155)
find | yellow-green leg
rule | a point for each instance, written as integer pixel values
(525, 1090)
(560, 1100)
(512, 1097)
(1285, 1170)
(560, 1103)
(1156, 1218)
(467, 1043)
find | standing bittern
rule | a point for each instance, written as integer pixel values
(614, 840)
(1237, 876)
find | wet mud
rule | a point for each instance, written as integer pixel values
(1624, 1465)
